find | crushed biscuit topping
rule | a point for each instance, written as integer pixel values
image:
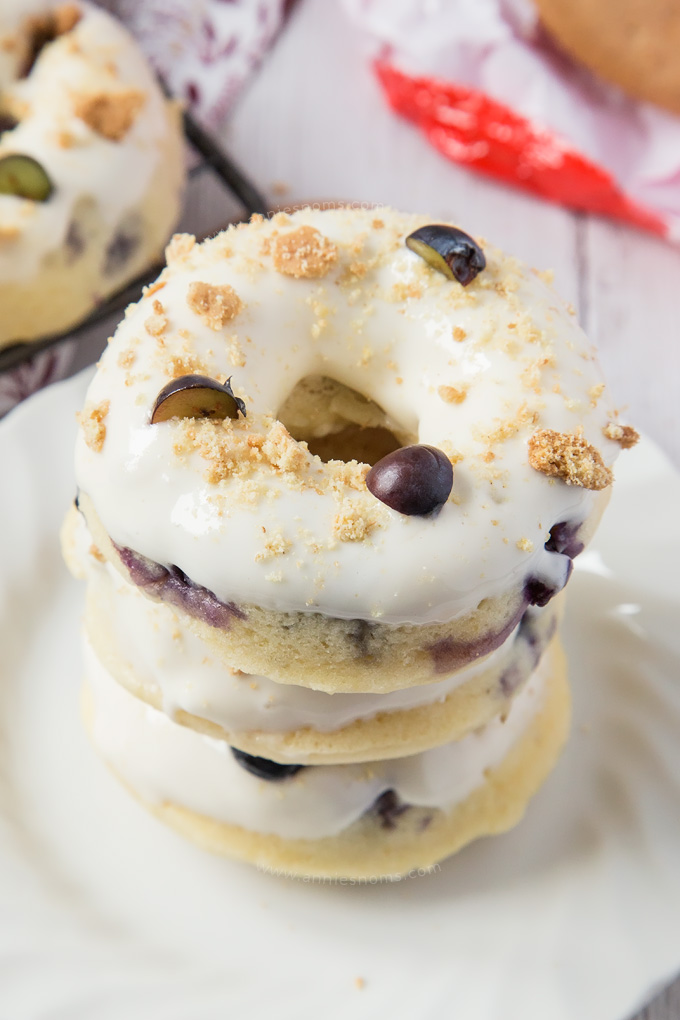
(569, 457)
(459, 334)
(274, 545)
(214, 305)
(178, 247)
(303, 252)
(282, 451)
(453, 394)
(624, 435)
(352, 523)
(156, 324)
(91, 420)
(110, 114)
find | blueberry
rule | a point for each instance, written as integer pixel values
(564, 539)
(7, 122)
(263, 768)
(448, 250)
(74, 242)
(170, 584)
(538, 593)
(24, 177)
(414, 480)
(196, 396)
(122, 246)
(388, 808)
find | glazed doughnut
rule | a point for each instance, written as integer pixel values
(91, 164)
(148, 649)
(359, 821)
(280, 550)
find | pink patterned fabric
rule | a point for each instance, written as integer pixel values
(32, 375)
(204, 50)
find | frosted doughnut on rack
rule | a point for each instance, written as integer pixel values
(78, 97)
(271, 550)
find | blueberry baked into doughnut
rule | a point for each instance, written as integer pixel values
(333, 470)
(91, 164)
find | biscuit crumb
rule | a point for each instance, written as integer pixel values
(350, 524)
(276, 545)
(110, 114)
(178, 247)
(96, 554)
(595, 392)
(214, 305)
(91, 420)
(127, 358)
(153, 288)
(156, 324)
(525, 545)
(359, 983)
(303, 252)
(459, 334)
(453, 394)
(282, 451)
(66, 17)
(569, 457)
(624, 435)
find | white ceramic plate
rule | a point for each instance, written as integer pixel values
(104, 913)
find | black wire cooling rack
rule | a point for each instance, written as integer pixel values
(209, 158)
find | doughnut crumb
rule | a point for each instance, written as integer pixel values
(625, 435)
(215, 305)
(91, 420)
(110, 114)
(569, 457)
(303, 253)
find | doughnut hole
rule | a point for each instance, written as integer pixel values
(338, 423)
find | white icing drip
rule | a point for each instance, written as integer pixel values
(166, 762)
(165, 656)
(115, 175)
(398, 351)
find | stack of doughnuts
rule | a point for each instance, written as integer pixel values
(91, 164)
(333, 469)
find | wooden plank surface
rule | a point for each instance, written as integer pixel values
(313, 119)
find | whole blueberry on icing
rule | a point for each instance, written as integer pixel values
(196, 396)
(263, 768)
(448, 250)
(414, 480)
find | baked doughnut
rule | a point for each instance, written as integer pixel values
(91, 164)
(631, 43)
(146, 646)
(337, 336)
(356, 821)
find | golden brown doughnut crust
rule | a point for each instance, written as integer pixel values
(632, 43)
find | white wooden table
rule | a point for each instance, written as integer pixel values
(313, 119)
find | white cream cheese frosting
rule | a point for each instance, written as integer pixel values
(168, 763)
(384, 323)
(165, 656)
(97, 56)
